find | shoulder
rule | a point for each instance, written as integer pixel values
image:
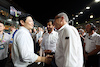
(55, 32)
(97, 36)
(21, 34)
(69, 29)
(6, 34)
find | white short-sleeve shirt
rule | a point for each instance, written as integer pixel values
(91, 42)
(5, 43)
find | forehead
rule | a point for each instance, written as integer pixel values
(1, 24)
(88, 26)
(29, 18)
(49, 23)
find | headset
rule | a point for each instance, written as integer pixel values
(93, 27)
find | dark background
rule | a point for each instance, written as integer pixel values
(44, 10)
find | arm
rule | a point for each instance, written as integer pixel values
(25, 48)
(28, 55)
(97, 42)
(44, 59)
(95, 51)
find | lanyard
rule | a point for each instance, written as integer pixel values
(1, 40)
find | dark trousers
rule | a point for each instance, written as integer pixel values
(35, 65)
(93, 61)
(3, 62)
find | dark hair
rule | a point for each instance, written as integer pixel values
(2, 22)
(23, 17)
(93, 27)
(50, 20)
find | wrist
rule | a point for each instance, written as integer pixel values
(43, 59)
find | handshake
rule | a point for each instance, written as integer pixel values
(48, 59)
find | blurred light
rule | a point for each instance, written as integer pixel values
(97, 1)
(73, 18)
(91, 16)
(17, 22)
(76, 22)
(87, 7)
(85, 21)
(72, 14)
(9, 19)
(81, 12)
(97, 21)
(76, 15)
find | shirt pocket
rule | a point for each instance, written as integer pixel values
(93, 44)
(53, 41)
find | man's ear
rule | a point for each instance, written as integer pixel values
(22, 22)
(4, 27)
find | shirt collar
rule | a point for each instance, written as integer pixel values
(21, 27)
(63, 26)
(51, 32)
(93, 34)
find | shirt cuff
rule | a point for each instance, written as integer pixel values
(35, 57)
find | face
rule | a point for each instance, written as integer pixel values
(88, 28)
(28, 23)
(50, 26)
(57, 22)
(2, 27)
(81, 32)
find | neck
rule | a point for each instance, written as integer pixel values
(62, 25)
(91, 33)
(1, 32)
(49, 31)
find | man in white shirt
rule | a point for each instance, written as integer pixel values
(4, 45)
(49, 39)
(92, 46)
(69, 47)
(23, 46)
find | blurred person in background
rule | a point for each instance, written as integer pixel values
(13, 29)
(69, 51)
(23, 47)
(34, 33)
(4, 45)
(82, 35)
(39, 34)
(92, 46)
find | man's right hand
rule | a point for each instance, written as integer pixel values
(48, 60)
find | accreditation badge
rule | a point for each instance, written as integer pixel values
(2, 46)
(0, 39)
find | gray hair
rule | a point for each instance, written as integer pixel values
(62, 14)
(81, 30)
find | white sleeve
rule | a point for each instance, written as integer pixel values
(26, 54)
(66, 48)
(70, 43)
(98, 40)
